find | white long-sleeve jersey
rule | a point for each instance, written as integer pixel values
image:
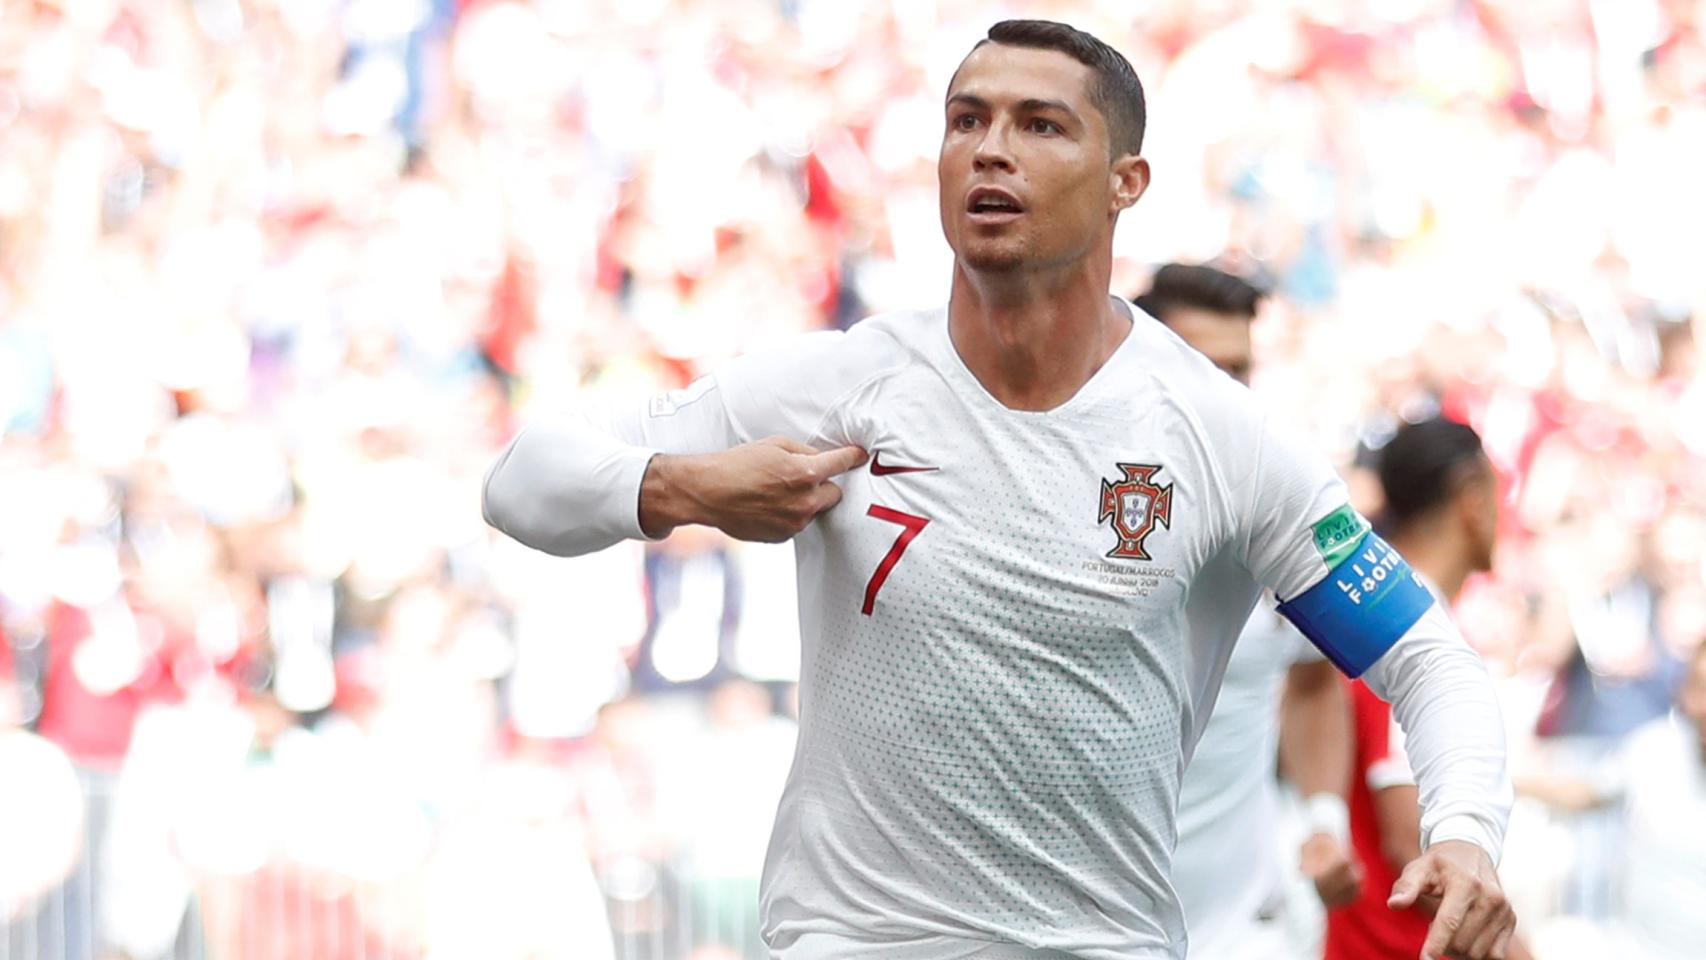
(1014, 626)
(1229, 802)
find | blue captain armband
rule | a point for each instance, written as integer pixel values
(1362, 607)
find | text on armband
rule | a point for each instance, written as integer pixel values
(1371, 568)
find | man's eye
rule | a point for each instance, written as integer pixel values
(1039, 125)
(965, 121)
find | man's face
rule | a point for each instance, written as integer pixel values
(1223, 338)
(1026, 180)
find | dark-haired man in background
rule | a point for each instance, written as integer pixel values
(1015, 619)
(1280, 700)
(1209, 309)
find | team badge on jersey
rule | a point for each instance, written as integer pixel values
(669, 404)
(1136, 505)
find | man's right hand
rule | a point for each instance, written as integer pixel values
(767, 491)
(1332, 868)
(1455, 881)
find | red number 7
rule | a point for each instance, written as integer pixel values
(912, 524)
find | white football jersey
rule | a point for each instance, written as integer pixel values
(1229, 810)
(1013, 625)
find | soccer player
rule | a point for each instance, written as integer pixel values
(1279, 698)
(1441, 513)
(1051, 522)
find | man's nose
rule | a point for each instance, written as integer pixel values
(992, 149)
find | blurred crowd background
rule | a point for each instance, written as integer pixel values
(279, 277)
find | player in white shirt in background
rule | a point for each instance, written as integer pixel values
(1658, 778)
(1280, 700)
(1015, 620)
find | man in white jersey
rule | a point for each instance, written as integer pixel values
(1658, 779)
(1280, 699)
(1015, 613)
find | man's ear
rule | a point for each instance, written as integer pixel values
(1478, 498)
(1129, 177)
(1467, 504)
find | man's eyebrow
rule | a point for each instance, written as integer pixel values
(1032, 105)
(1027, 105)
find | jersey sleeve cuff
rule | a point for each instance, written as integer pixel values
(619, 476)
(1464, 827)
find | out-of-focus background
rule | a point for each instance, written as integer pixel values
(279, 277)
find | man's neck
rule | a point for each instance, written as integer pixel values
(1438, 556)
(1034, 340)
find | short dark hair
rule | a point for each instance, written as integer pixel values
(1421, 468)
(1205, 288)
(1116, 91)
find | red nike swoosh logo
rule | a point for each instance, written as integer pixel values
(879, 469)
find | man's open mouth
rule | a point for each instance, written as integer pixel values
(992, 201)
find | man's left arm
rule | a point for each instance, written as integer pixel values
(1315, 755)
(1443, 700)
(1357, 600)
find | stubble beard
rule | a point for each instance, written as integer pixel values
(999, 255)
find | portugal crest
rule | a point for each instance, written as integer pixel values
(1135, 505)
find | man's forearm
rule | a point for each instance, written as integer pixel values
(665, 500)
(571, 488)
(1315, 730)
(566, 488)
(1454, 735)
(1315, 753)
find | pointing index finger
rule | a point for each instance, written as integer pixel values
(840, 460)
(1409, 886)
(1452, 907)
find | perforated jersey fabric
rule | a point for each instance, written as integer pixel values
(994, 751)
(1229, 809)
(1013, 624)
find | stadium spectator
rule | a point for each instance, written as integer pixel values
(1658, 782)
(42, 831)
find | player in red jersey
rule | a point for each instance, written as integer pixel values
(1441, 513)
